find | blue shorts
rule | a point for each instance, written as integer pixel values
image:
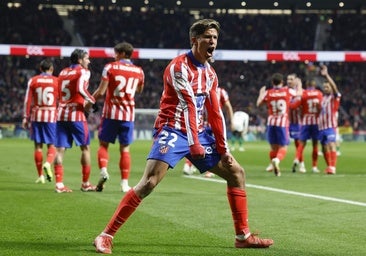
(327, 136)
(68, 131)
(308, 132)
(278, 135)
(110, 129)
(43, 132)
(171, 145)
(294, 130)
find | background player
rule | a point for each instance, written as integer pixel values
(239, 128)
(39, 116)
(121, 79)
(328, 121)
(71, 120)
(310, 105)
(277, 100)
(294, 82)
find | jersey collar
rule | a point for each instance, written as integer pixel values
(194, 60)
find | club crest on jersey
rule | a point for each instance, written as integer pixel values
(163, 149)
(178, 75)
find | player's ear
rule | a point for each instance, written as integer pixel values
(193, 40)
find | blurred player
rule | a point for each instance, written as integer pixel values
(277, 100)
(239, 128)
(39, 116)
(293, 82)
(339, 139)
(71, 121)
(310, 105)
(120, 81)
(328, 121)
(190, 84)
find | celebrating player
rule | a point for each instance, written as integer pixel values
(190, 87)
(310, 105)
(328, 121)
(277, 100)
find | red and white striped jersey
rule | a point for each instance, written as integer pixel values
(123, 78)
(223, 96)
(311, 101)
(328, 115)
(74, 94)
(189, 88)
(41, 98)
(278, 105)
(295, 116)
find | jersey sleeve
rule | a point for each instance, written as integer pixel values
(83, 84)
(216, 120)
(27, 100)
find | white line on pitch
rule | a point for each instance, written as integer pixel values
(326, 198)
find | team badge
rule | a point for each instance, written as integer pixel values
(178, 75)
(163, 149)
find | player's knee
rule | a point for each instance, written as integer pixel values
(237, 173)
(146, 186)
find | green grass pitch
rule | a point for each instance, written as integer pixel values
(305, 214)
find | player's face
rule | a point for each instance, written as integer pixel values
(206, 44)
(85, 61)
(291, 81)
(327, 88)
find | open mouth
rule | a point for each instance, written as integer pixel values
(210, 50)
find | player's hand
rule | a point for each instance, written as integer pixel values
(197, 151)
(95, 107)
(323, 70)
(25, 124)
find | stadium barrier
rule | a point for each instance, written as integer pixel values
(167, 54)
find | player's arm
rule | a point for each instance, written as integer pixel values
(299, 87)
(262, 93)
(324, 72)
(27, 106)
(83, 87)
(140, 86)
(100, 91)
(216, 120)
(319, 105)
(295, 103)
(228, 108)
(187, 102)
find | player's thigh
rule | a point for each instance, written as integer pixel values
(108, 130)
(80, 133)
(125, 134)
(169, 146)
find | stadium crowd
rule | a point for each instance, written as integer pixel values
(146, 30)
